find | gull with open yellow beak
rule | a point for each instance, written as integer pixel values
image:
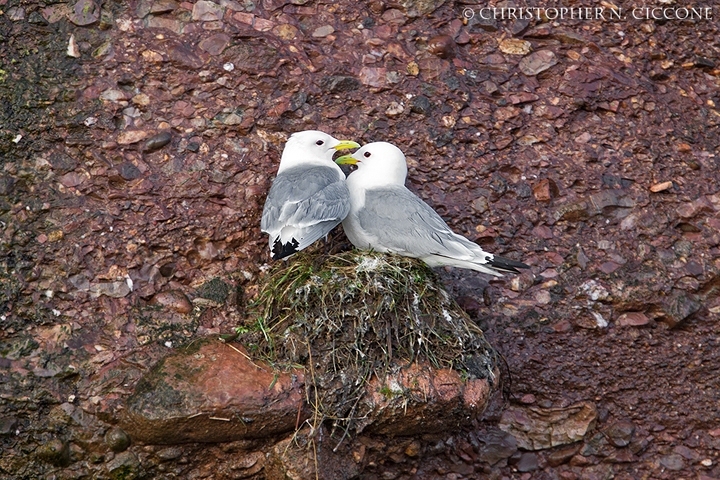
(308, 197)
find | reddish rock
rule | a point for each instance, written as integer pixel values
(420, 399)
(562, 326)
(691, 209)
(72, 179)
(441, 45)
(609, 267)
(522, 282)
(292, 459)
(207, 11)
(373, 77)
(537, 428)
(215, 44)
(632, 319)
(174, 300)
(543, 231)
(128, 137)
(85, 12)
(620, 433)
(432, 67)
(644, 106)
(562, 455)
(212, 392)
(537, 62)
(661, 187)
(522, 97)
(184, 56)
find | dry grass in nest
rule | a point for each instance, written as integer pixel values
(347, 317)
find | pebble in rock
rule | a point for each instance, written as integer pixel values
(85, 12)
(632, 319)
(324, 31)
(207, 11)
(173, 300)
(528, 462)
(672, 462)
(498, 446)
(156, 142)
(515, 46)
(55, 452)
(537, 62)
(441, 45)
(620, 434)
(128, 171)
(170, 453)
(124, 465)
(117, 439)
(421, 104)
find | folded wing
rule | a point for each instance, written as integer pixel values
(402, 223)
(303, 205)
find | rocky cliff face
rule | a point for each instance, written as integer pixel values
(138, 139)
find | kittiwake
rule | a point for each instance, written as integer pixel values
(387, 217)
(308, 197)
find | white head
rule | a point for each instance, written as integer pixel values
(312, 146)
(383, 161)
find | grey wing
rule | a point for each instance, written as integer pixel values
(403, 223)
(304, 204)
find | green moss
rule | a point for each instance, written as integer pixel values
(215, 290)
(389, 393)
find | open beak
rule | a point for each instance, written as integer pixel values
(346, 145)
(346, 160)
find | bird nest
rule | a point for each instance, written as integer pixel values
(347, 317)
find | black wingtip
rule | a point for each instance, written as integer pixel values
(281, 250)
(504, 264)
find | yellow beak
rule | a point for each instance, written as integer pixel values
(346, 160)
(346, 145)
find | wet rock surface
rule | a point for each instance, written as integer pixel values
(138, 140)
(212, 392)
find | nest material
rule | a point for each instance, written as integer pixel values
(347, 317)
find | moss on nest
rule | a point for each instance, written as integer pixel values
(346, 317)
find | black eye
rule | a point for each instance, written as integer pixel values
(367, 154)
(319, 142)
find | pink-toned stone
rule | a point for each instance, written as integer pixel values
(214, 393)
(432, 67)
(174, 300)
(632, 319)
(537, 62)
(562, 326)
(543, 190)
(522, 97)
(373, 77)
(537, 428)
(72, 179)
(431, 400)
(263, 25)
(206, 11)
(246, 18)
(215, 44)
(609, 267)
(543, 231)
(128, 137)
